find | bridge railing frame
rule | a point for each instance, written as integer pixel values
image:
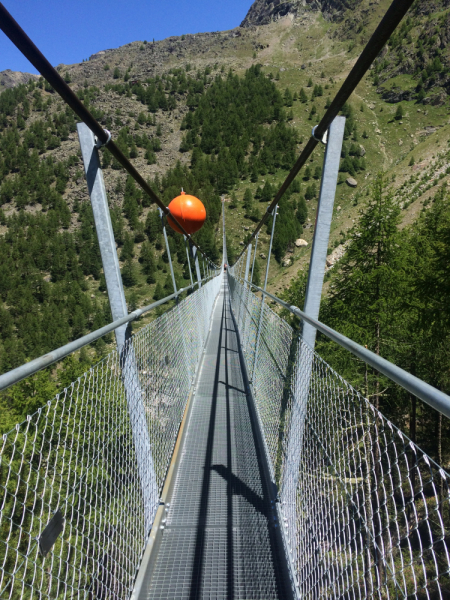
(365, 512)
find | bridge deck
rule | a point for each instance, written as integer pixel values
(218, 540)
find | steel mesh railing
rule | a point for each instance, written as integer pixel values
(78, 456)
(365, 512)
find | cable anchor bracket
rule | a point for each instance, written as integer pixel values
(324, 139)
(99, 144)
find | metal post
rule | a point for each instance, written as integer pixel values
(244, 285)
(197, 268)
(258, 335)
(224, 239)
(247, 266)
(161, 214)
(188, 259)
(254, 258)
(245, 290)
(111, 268)
(306, 345)
(322, 229)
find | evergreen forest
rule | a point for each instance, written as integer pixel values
(388, 294)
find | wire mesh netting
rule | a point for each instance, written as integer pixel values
(365, 511)
(94, 459)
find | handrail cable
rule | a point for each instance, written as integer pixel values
(426, 392)
(20, 39)
(32, 367)
(383, 32)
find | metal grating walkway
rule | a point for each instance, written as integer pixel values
(219, 540)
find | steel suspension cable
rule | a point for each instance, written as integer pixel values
(20, 39)
(383, 32)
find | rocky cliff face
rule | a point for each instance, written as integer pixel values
(264, 11)
(10, 79)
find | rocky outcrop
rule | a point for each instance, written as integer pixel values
(263, 12)
(336, 255)
(395, 95)
(11, 79)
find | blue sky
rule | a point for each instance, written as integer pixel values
(68, 31)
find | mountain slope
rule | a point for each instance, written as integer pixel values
(143, 93)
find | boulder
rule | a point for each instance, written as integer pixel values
(299, 243)
(286, 262)
(362, 150)
(351, 182)
(262, 255)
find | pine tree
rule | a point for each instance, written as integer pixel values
(302, 211)
(129, 273)
(266, 193)
(256, 273)
(303, 97)
(127, 248)
(133, 302)
(248, 202)
(147, 259)
(369, 285)
(288, 99)
(159, 292)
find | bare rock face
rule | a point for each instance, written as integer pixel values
(263, 12)
(11, 79)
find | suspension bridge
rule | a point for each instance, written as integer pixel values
(215, 454)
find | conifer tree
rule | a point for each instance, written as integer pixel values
(129, 273)
(303, 97)
(302, 211)
(147, 259)
(399, 112)
(288, 99)
(368, 286)
(248, 202)
(159, 292)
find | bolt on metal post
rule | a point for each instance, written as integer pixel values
(312, 306)
(116, 295)
(261, 314)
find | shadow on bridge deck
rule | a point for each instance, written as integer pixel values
(219, 539)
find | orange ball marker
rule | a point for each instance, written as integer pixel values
(188, 211)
